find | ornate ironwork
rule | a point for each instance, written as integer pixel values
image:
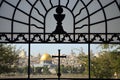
(74, 37)
(59, 34)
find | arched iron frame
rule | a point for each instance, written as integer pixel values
(74, 38)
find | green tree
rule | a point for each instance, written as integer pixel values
(101, 67)
(63, 69)
(83, 59)
(8, 58)
(46, 70)
(38, 70)
(107, 63)
(115, 57)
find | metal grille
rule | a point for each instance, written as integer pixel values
(92, 21)
(76, 35)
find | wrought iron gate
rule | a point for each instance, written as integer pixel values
(60, 21)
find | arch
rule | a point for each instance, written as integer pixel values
(50, 14)
(71, 36)
(66, 6)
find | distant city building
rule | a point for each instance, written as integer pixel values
(23, 59)
(46, 60)
(22, 54)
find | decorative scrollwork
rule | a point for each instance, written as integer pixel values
(37, 36)
(4, 38)
(117, 36)
(17, 39)
(51, 36)
(83, 37)
(68, 36)
(81, 22)
(97, 36)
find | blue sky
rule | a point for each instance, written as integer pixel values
(53, 48)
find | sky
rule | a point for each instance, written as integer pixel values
(111, 11)
(53, 48)
(7, 11)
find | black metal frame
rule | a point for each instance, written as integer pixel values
(74, 38)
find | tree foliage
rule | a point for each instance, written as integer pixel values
(8, 58)
(107, 63)
(45, 70)
(83, 58)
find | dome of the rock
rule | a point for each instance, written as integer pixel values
(46, 57)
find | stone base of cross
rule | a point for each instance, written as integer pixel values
(59, 74)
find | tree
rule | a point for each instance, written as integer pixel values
(38, 70)
(101, 67)
(46, 70)
(83, 59)
(63, 69)
(114, 51)
(8, 58)
(107, 63)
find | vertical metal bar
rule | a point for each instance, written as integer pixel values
(59, 64)
(59, 2)
(106, 29)
(88, 37)
(29, 57)
(59, 37)
(30, 40)
(89, 60)
(59, 74)
(44, 31)
(74, 34)
(29, 52)
(13, 19)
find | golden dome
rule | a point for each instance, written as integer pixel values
(45, 57)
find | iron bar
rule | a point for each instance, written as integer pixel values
(67, 3)
(51, 3)
(75, 5)
(43, 5)
(94, 12)
(59, 74)
(83, 8)
(98, 22)
(23, 12)
(35, 9)
(73, 37)
(13, 19)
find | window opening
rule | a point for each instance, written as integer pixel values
(92, 21)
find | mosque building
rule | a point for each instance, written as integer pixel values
(46, 60)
